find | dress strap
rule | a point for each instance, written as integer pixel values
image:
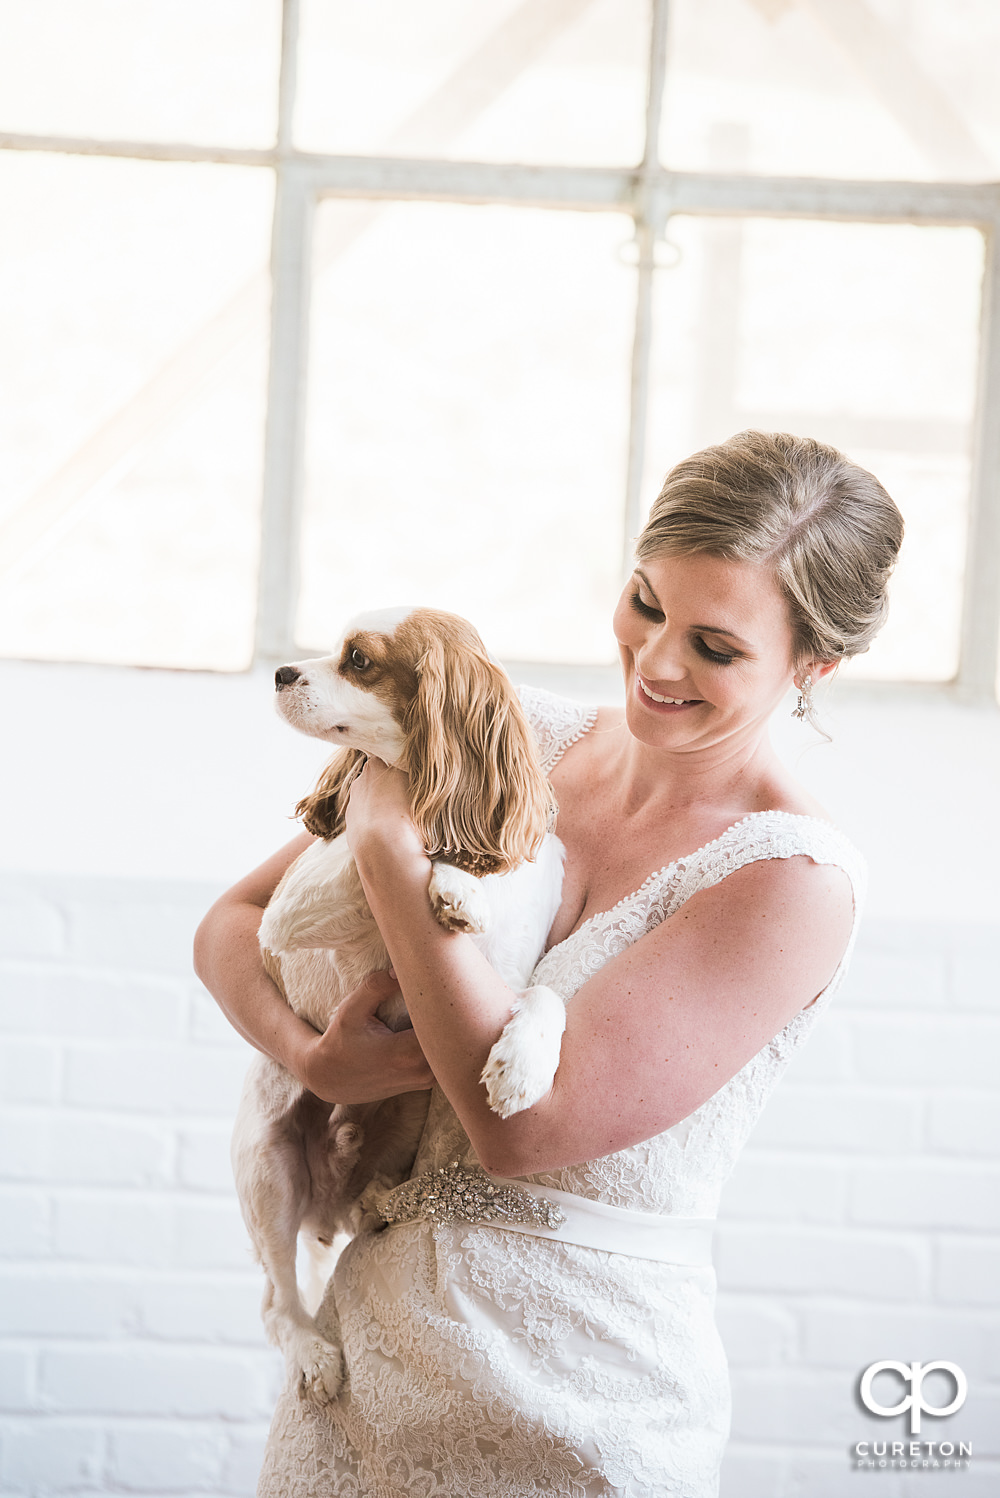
(556, 721)
(773, 834)
(770, 834)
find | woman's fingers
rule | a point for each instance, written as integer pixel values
(362, 1002)
(412, 1062)
(360, 1009)
(360, 1060)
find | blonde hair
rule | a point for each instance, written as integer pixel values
(824, 526)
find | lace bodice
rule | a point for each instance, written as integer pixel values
(680, 1172)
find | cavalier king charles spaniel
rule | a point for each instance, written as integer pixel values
(416, 689)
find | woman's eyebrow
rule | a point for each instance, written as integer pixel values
(715, 629)
(705, 629)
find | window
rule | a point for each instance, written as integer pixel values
(320, 305)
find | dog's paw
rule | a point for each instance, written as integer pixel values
(273, 932)
(520, 1067)
(367, 1211)
(316, 1367)
(457, 900)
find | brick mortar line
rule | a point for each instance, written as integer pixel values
(49, 966)
(889, 1234)
(180, 1043)
(85, 1192)
(34, 1417)
(70, 1111)
(162, 1045)
(217, 1351)
(791, 1155)
(56, 1270)
(830, 1302)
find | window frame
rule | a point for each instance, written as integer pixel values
(650, 193)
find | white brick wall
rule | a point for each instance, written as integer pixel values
(863, 1222)
(131, 1354)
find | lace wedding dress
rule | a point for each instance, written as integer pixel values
(491, 1361)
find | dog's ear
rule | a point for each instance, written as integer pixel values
(479, 797)
(322, 812)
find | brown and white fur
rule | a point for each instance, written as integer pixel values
(416, 689)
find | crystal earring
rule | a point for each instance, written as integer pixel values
(803, 708)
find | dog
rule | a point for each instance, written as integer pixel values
(417, 689)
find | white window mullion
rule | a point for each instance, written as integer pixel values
(288, 77)
(284, 437)
(977, 678)
(648, 203)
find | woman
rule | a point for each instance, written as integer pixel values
(582, 1359)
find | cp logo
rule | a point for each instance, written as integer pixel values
(913, 1374)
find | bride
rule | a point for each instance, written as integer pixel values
(708, 912)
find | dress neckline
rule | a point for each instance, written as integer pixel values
(667, 868)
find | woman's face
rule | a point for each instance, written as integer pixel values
(711, 637)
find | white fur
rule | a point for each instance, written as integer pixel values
(522, 1063)
(298, 1163)
(325, 706)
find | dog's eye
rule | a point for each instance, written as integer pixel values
(359, 660)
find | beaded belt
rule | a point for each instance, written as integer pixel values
(459, 1193)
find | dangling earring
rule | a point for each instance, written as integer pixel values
(803, 708)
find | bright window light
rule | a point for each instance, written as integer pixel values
(313, 305)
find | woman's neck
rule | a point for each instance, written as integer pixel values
(740, 773)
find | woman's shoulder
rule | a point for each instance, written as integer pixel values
(777, 789)
(785, 857)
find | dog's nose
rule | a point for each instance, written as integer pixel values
(284, 676)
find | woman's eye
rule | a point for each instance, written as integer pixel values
(717, 656)
(645, 609)
(359, 660)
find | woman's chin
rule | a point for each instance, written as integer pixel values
(679, 725)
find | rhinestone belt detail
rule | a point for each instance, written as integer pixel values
(458, 1193)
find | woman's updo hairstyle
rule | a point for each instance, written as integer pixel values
(824, 526)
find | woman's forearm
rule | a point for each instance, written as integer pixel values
(228, 962)
(457, 1002)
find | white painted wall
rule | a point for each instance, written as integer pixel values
(862, 1223)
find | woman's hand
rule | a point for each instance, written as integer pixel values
(378, 812)
(380, 831)
(358, 1059)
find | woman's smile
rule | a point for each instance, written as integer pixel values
(659, 701)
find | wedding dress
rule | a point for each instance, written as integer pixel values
(521, 1360)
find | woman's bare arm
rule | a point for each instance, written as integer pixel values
(357, 1059)
(227, 960)
(657, 1031)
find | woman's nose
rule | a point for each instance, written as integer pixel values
(660, 659)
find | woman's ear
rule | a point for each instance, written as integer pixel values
(479, 798)
(815, 670)
(322, 812)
